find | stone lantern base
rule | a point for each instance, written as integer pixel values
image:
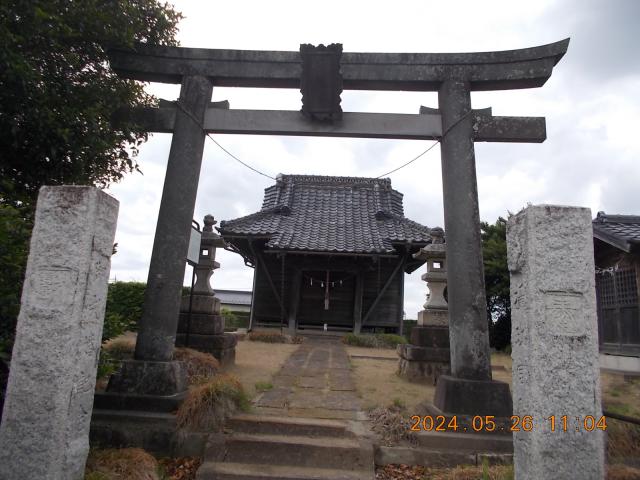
(205, 331)
(427, 356)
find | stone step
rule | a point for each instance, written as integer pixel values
(465, 442)
(273, 425)
(437, 459)
(237, 471)
(134, 416)
(292, 450)
(153, 431)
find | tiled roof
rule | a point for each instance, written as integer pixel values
(330, 214)
(621, 231)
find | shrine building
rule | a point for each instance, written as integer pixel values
(329, 253)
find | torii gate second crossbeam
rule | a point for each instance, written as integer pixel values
(470, 389)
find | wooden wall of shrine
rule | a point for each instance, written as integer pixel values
(354, 285)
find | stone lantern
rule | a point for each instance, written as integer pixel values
(428, 355)
(201, 326)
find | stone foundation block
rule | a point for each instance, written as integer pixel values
(201, 323)
(430, 336)
(422, 372)
(149, 378)
(223, 347)
(473, 397)
(201, 304)
(433, 317)
(424, 354)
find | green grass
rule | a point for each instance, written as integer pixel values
(263, 386)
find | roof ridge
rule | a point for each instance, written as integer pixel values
(330, 178)
(612, 218)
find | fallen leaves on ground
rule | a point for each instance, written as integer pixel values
(182, 468)
(397, 472)
(392, 425)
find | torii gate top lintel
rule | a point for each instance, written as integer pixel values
(500, 70)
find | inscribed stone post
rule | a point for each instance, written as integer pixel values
(555, 344)
(45, 428)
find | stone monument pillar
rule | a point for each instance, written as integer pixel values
(45, 425)
(427, 356)
(200, 325)
(555, 344)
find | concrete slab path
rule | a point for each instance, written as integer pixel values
(314, 382)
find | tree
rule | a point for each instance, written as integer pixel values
(496, 279)
(58, 94)
(58, 97)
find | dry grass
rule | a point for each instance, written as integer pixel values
(122, 347)
(392, 424)
(496, 472)
(622, 472)
(122, 464)
(378, 384)
(397, 472)
(620, 394)
(257, 362)
(201, 367)
(623, 441)
(209, 404)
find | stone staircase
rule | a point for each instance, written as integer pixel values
(450, 449)
(257, 447)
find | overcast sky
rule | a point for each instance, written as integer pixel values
(591, 156)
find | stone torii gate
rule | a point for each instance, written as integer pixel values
(322, 73)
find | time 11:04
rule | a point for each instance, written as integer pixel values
(590, 423)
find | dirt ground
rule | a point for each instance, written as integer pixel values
(258, 362)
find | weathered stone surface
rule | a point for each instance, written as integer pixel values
(473, 397)
(158, 325)
(433, 317)
(468, 327)
(45, 428)
(207, 304)
(555, 342)
(523, 68)
(430, 336)
(228, 340)
(422, 371)
(149, 378)
(424, 354)
(223, 347)
(201, 324)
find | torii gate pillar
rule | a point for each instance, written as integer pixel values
(469, 389)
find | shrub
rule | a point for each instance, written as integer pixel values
(208, 405)
(407, 326)
(116, 464)
(124, 308)
(389, 340)
(106, 364)
(376, 340)
(201, 367)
